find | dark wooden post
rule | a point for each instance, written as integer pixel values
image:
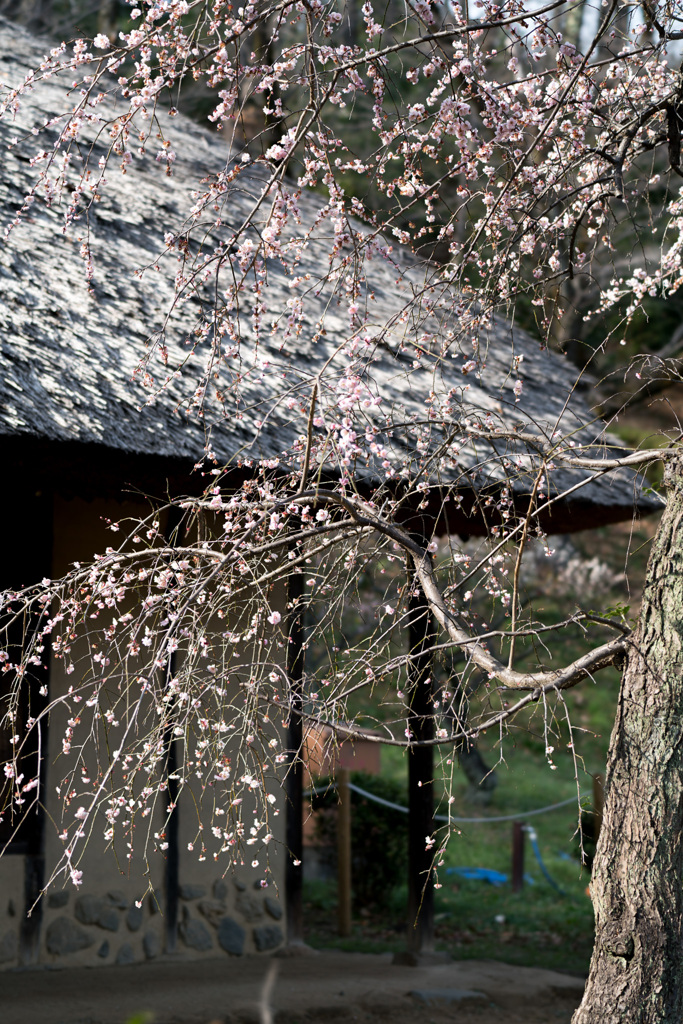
(294, 831)
(172, 872)
(174, 536)
(27, 558)
(420, 782)
(37, 557)
(518, 836)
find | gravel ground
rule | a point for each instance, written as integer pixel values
(319, 988)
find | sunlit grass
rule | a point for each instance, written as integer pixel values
(474, 919)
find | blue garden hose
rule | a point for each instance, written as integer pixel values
(481, 874)
(485, 875)
(498, 878)
(533, 839)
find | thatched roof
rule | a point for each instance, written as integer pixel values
(69, 348)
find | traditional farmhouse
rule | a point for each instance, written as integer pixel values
(82, 441)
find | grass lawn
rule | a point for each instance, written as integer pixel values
(475, 919)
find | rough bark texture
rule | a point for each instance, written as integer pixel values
(636, 972)
(482, 779)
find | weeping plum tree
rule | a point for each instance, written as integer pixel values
(383, 404)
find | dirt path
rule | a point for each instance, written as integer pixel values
(317, 989)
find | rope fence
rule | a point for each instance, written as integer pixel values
(453, 819)
(449, 818)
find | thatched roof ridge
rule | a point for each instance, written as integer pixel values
(68, 350)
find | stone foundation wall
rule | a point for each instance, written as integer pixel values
(228, 916)
(231, 918)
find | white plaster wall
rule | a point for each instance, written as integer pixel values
(103, 910)
(100, 922)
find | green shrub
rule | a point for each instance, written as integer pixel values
(379, 838)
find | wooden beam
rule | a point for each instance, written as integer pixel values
(420, 782)
(27, 526)
(518, 836)
(294, 828)
(175, 534)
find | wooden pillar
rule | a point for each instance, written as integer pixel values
(27, 522)
(172, 870)
(344, 852)
(294, 829)
(518, 836)
(420, 782)
(175, 534)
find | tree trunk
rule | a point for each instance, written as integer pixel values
(636, 973)
(482, 779)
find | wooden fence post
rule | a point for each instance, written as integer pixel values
(518, 835)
